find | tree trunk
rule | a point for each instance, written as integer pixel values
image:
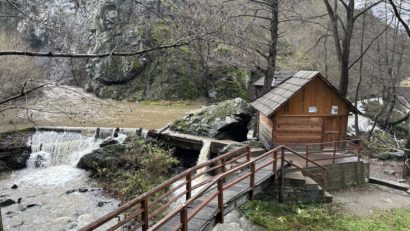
(356, 98)
(270, 71)
(406, 167)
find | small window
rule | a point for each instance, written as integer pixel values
(312, 109)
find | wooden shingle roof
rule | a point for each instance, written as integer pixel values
(278, 96)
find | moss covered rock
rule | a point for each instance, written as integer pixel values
(225, 120)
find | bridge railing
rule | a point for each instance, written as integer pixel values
(143, 211)
(219, 184)
(348, 149)
(332, 150)
(153, 204)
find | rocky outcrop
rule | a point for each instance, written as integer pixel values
(226, 120)
(108, 156)
(14, 150)
(122, 26)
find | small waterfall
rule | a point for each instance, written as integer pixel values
(202, 158)
(144, 133)
(50, 148)
(104, 133)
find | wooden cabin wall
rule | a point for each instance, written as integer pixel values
(265, 130)
(295, 124)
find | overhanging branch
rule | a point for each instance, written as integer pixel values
(101, 55)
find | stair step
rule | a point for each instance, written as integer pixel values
(327, 197)
(294, 179)
(311, 184)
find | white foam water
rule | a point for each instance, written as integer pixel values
(202, 158)
(51, 172)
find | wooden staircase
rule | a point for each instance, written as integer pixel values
(298, 187)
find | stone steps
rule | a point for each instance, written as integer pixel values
(298, 187)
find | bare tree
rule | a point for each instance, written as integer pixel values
(399, 7)
(342, 24)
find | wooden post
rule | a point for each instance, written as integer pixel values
(275, 162)
(223, 167)
(1, 221)
(248, 154)
(282, 175)
(221, 201)
(188, 186)
(252, 181)
(223, 163)
(184, 219)
(307, 155)
(144, 215)
(334, 152)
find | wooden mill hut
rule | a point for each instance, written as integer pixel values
(302, 107)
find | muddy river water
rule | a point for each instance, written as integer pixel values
(51, 193)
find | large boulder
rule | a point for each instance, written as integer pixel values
(225, 120)
(14, 149)
(104, 157)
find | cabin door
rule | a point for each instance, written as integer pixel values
(331, 130)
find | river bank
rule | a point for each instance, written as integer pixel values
(73, 107)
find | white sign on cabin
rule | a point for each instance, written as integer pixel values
(335, 110)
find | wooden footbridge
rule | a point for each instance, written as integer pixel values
(199, 197)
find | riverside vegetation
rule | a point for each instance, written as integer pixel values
(129, 169)
(274, 216)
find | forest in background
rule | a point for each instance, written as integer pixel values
(200, 49)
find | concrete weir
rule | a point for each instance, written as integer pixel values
(179, 139)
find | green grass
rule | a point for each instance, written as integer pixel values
(274, 216)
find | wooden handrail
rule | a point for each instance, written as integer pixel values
(303, 157)
(221, 182)
(136, 201)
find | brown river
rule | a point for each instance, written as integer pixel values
(51, 193)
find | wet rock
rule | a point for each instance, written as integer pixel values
(103, 157)
(33, 205)
(83, 190)
(19, 159)
(7, 202)
(225, 120)
(108, 141)
(70, 191)
(4, 167)
(102, 203)
(14, 186)
(14, 149)
(393, 155)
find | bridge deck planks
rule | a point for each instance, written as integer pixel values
(211, 209)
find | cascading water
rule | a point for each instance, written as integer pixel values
(202, 158)
(59, 148)
(43, 186)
